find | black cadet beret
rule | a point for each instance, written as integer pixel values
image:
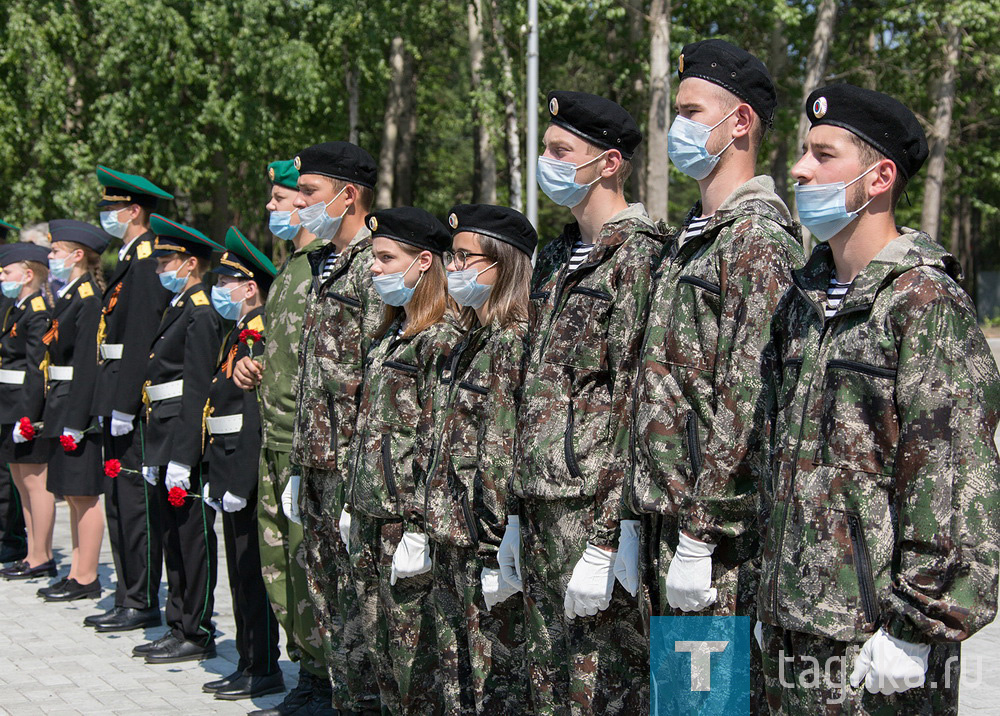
(244, 260)
(412, 226)
(598, 120)
(734, 69)
(173, 237)
(24, 251)
(883, 122)
(79, 232)
(497, 222)
(338, 160)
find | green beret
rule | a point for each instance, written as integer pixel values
(284, 173)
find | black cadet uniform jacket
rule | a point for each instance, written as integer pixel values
(22, 347)
(74, 329)
(184, 347)
(132, 306)
(233, 458)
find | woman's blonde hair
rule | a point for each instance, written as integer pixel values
(509, 299)
(40, 272)
(92, 262)
(430, 301)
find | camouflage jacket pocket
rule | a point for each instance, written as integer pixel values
(692, 331)
(384, 474)
(859, 428)
(448, 513)
(339, 329)
(579, 338)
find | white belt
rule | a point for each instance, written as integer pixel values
(60, 372)
(224, 424)
(12, 377)
(163, 391)
(112, 351)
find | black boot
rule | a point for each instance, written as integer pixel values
(321, 703)
(295, 699)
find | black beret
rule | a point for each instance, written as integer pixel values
(497, 222)
(734, 69)
(598, 120)
(883, 122)
(79, 232)
(24, 251)
(411, 226)
(338, 160)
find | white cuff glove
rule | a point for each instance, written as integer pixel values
(345, 528)
(77, 435)
(121, 423)
(149, 474)
(590, 587)
(178, 475)
(16, 434)
(889, 665)
(758, 634)
(210, 501)
(233, 503)
(412, 557)
(689, 577)
(290, 499)
(509, 555)
(627, 560)
(495, 588)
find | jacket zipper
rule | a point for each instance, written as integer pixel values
(390, 480)
(701, 283)
(405, 367)
(470, 520)
(863, 567)
(858, 367)
(353, 302)
(571, 463)
(474, 388)
(332, 409)
(694, 443)
(583, 290)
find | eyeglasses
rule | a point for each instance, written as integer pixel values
(459, 258)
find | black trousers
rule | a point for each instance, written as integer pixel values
(13, 539)
(190, 551)
(133, 513)
(256, 627)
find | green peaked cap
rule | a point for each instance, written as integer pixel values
(244, 260)
(173, 237)
(129, 188)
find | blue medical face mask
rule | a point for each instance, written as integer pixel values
(60, 270)
(392, 289)
(172, 282)
(558, 180)
(11, 289)
(317, 222)
(466, 290)
(280, 224)
(687, 146)
(222, 301)
(823, 207)
(110, 223)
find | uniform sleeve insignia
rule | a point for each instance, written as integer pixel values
(85, 290)
(144, 250)
(199, 298)
(256, 324)
(38, 304)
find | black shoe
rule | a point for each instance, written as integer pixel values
(321, 703)
(295, 699)
(250, 687)
(22, 570)
(149, 646)
(96, 619)
(73, 590)
(212, 686)
(53, 588)
(127, 619)
(176, 651)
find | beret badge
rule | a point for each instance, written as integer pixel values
(297, 162)
(554, 106)
(680, 64)
(372, 223)
(819, 107)
(270, 173)
(453, 220)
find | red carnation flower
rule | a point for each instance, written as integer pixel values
(176, 496)
(112, 468)
(249, 336)
(68, 443)
(27, 429)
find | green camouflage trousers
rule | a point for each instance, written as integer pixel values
(397, 621)
(283, 564)
(586, 665)
(481, 653)
(807, 674)
(334, 598)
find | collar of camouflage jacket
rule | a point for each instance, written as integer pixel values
(615, 231)
(906, 252)
(755, 197)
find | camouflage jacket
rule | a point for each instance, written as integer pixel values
(585, 335)
(475, 410)
(700, 373)
(390, 451)
(286, 307)
(336, 333)
(884, 491)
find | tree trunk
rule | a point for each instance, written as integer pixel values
(405, 153)
(484, 188)
(390, 128)
(511, 116)
(353, 98)
(944, 100)
(219, 218)
(657, 166)
(777, 64)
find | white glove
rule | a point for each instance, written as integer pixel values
(412, 557)
(689, 577)
(509, 555)
(178, 475)
(210, 501)
(100, 420)
(758, 634)
(16, 435)
(149, 474)
(589, 589)
(77, 435)
(495, 588)
(627, 560)
(233, 503)
(345, 528)
(889, 665)
(121, 423)
(290, 499)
